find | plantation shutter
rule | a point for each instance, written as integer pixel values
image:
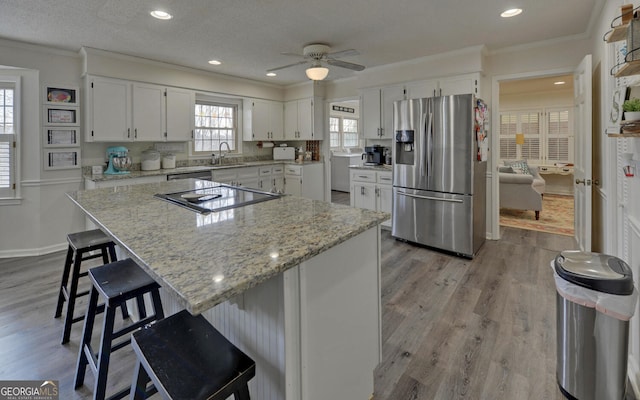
(7, 139)
(530, 126)
(559, 137)
(508, 129)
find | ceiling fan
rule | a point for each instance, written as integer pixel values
(317, 55)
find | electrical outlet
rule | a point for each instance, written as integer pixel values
(96, 170)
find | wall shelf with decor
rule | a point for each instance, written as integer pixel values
(61, 127)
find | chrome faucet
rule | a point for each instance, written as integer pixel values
(220, 155)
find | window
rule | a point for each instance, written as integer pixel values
(8, 136)
(343, 132)
(548, 135)
(215, 123)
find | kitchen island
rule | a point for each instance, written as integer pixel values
(293, 282)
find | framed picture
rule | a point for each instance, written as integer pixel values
(61, 94)
(61, 116)
(62, 159)
(61, 136)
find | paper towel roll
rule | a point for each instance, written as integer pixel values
(266, 145)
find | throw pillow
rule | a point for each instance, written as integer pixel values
(508, 170)
(519, 166)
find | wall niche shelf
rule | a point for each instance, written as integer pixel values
(617, 135)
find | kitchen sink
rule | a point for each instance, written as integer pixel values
(217, 198)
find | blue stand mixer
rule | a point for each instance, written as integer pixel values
(119, 160)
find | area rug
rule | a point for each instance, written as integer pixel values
(556, 216)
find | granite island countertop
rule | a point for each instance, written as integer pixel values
(205, 259)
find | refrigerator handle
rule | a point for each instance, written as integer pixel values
(429, 139)
(423, 145)
(430, 197)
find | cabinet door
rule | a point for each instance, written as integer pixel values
(180, 114)
(291, 120)
(419, 90)
(256, 121)
(276, 120)
(277, 183)
(463, 84)
(364, 195)
(370, 113)
(384, 198)
(305, 119)
(108, 105)
(389, 95)
(293, 185)
(148, 112)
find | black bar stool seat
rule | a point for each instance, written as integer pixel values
(116, 282)
(187, 358)
(81, 247)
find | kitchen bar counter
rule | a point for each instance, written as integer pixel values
(187, 252)
(381, 167)
(293, 282)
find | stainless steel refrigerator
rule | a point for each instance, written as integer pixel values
(439, 180)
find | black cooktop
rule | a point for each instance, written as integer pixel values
(216, 198)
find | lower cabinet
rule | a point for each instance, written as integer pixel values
(371, 189)
(304, 180)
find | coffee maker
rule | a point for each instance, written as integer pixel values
(373, 155)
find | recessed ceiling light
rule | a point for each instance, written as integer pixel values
(559, 83)
(511, 12)
(271, 74)
(161, 14)
(214, 62)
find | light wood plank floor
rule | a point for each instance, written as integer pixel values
(452, 328)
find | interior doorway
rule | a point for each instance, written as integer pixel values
(535, 153)
(345, 145)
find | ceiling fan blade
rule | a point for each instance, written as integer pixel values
(344, 53)
(286, 66)
(344, 64)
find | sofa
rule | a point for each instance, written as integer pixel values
(521, 188)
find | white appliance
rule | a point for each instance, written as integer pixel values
(284, 153)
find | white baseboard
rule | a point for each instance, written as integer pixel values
(33, 252)
(633, 373)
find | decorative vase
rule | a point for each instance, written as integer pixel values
(632, 115)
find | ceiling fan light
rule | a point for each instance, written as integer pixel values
(317, 73)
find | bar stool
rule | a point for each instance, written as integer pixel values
(81, 245)
(187, 358)
(116, 282)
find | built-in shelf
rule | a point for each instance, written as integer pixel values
(618, 33)
(628, 69)
(623, 134)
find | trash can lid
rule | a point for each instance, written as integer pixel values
(601, 272)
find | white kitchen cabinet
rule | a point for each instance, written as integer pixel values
(180, 114)
(377, 111)
(302, 120)
(108, 110)
(148, 112)
(304, 180)
(262, 120)
(372, 190)
(118, 110)
(460, 84)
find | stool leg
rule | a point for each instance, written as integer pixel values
(111, 248)
(86, 338)
(102, 368)
(63, 284)
(157, 304)
(142, 309)
(242, 393)
(139, 384)
(71, 304)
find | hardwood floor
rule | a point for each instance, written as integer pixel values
(452, 328)
(340, 197)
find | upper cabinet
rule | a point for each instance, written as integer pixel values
(262, 120)
(180, 114)
(119, 110)
(461, 84)
(108, 110)
(376, 111)
(303, 120)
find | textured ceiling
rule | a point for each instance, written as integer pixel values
(248, 36)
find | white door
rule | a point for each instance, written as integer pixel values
(582, 151)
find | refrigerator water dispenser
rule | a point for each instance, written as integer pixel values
(404, 147)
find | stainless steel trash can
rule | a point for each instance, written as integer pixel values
(595, 300)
